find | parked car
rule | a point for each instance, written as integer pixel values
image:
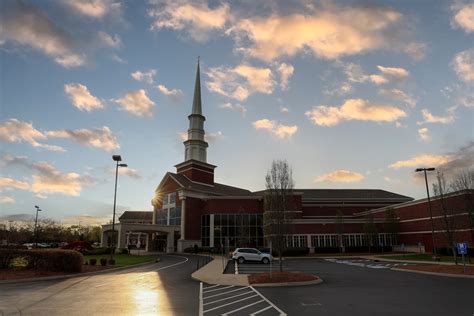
(251, 254)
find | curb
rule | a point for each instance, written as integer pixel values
(414, 261)
(283, 284)
(68, 276)
(435, 273)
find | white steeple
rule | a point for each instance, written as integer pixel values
(195, 146)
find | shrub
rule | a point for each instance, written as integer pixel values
(55, 260)
(79, 245)
(103, 262)
(123, 251)
(111, 262)
(97, 251)
(92, 261)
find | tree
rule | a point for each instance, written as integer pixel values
(392, 224)
(449, 221)
(464, 181)
(278, 206)
(370, 230)
(340, 228)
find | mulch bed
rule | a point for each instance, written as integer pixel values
(16, 274)
(441, 268)
(280, 277)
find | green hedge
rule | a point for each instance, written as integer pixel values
(44, 259)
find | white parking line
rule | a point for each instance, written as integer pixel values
(212, 286)
(274, 306)
(223, 299)
(244, 307)
(241, 300)
(262, 310)
(221, 288)
(225, 292)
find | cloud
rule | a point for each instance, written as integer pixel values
(394, 72)
(14, 130)
(284, 109)
(212, 137)
(430, 118)
(285, 71)
(422, 161)
(129, 172)
(398, 94)
(354, 109)
(424, 134)
(137, 103)
(101, 138)
(329, 31)
(85, 220)
(464, 16)
(459, 94)
(197, 19)
(146, 76)
(462, 159)
(94, 8)
(234, 107)
(7, 200)
(354, 73)
(277, 129)
(26, 24)
(81, 97)
(240, 82)
(9, 183)
(183, 136)
(463, 64)
(174, 94)
(110, 41)
(344, 176)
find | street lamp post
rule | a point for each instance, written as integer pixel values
(117, 159)
(429, 207)
(36, 225)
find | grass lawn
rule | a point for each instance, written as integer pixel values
(122, 260)
(423, 257)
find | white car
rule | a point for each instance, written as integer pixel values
(251, 254)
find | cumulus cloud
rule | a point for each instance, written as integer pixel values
(463, 16)
(109, 40)
(46, 178)
(174, 94)
(14, 130)
(398, 94)
(329, 31)
(344, 176)
(234, 107)
(197, 19)
(94, 8)
(6, 200)
(212, 137)
(284, 109)
(354, 73)
(463, 65)
(354, 109)
(129, 172)
(82, 98)
(285, 71)
(146, 76)
(430, 118)
(9, 183)
(101, 138)
(137, 103)
(424, 134)
(422, 161)
(27, 25)
(240, 82)
(395, 72)
(277, 129)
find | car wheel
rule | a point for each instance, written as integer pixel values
(265, 260)
(241, 260)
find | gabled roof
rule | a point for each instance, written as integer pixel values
(139, 215)
(347, 194)
(216, 189)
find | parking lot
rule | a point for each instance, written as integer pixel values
(234, 300)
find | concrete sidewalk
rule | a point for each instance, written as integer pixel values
(212, 273)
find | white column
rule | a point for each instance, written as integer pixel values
(211, 232)
(183, 217)
(121, 236)
(103, 240)
(308, 241)
(170, 242)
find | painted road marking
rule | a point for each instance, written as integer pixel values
(227, 301)
(368, 263)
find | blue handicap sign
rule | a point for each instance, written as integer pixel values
(462, 248)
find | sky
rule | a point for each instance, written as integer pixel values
(353, 94)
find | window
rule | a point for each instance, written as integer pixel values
(169, 214)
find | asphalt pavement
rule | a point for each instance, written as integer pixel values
(163, 288)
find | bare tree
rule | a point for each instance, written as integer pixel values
(392, 224)
(340, 228)
(370, 230)
(278, 206)
(449, 219)
(464, 181)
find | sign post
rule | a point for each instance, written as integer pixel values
(271, 261)
(462, 250)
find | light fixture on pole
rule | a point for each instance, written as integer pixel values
(36, 225)
(117, 159)
(429, 207)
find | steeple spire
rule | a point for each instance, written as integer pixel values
(197, 108)
(195, 146)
